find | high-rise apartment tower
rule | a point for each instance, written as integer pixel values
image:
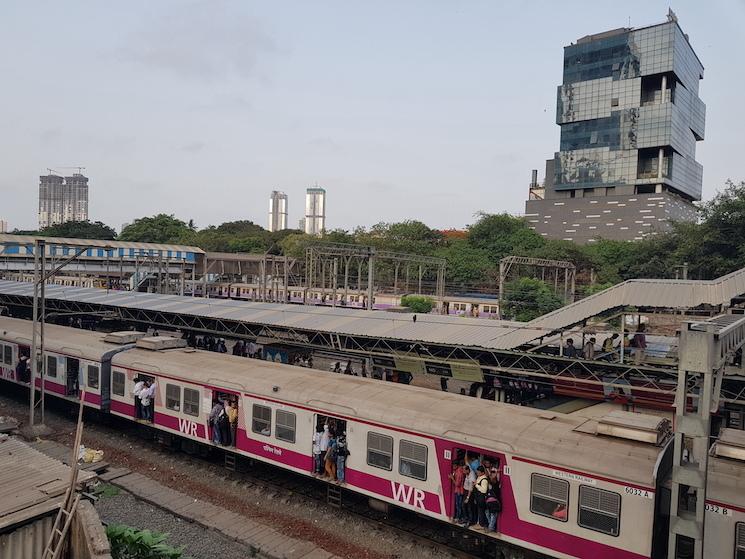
(277, 211)
(315, 211)
(630, 117)
(3, 226)
(62, 199)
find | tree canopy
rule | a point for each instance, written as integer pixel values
(161, 228)
(80, 230)
(529, 298)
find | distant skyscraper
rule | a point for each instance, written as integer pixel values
(630, 118)
(3, 226)
(277, 211)
(315, 211)
(62, 199)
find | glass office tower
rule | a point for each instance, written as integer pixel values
(630, 117)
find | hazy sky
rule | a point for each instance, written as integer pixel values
(429, 110)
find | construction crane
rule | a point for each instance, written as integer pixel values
(79, 168)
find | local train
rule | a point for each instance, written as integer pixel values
(611, 493)
(456, 305)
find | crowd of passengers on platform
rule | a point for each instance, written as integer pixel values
(477, 491)
(633, 345)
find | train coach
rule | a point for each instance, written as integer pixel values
(567, 491)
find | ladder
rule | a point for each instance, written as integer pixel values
(230, 461)
(333, 495)
(66, 512)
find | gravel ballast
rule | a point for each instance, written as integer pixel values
(199, 542)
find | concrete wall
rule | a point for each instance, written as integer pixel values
(87, 537)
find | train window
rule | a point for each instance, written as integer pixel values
(173, 397)
(740, 540)
(117, 383)
(599, 510)
(549, 497)
(191, 402)
(262, 420)
(412, 460)
(8, 355)
(285, 430)
(51, 366)
(93, 376)
(379, 451)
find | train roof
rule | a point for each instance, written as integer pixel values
(550, 438)
(727, 485)
(74, 342)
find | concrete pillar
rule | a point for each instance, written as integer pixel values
(660, 160)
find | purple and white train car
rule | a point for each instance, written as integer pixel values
(566, 491)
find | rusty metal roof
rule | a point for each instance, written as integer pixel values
(31, 483)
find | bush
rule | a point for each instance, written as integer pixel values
(418, 303)
(130, 543)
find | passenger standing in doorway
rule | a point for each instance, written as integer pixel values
(215, 413)
(330, 457)
(232, 412)
(341, 456)
(223, 424)
(474, 463)
(481, 489)
(145, 401)
(468, 505)
(317, 452)
(139, 385)
(493, 499)
(22, 370)
(458, 476)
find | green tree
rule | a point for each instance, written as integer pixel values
(407, 236)
(467, 266)
(295, 244)
(80, 230)
(161, 228)
(418, 303)
(528, 298)
(502, 234)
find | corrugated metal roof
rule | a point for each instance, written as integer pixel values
(429, 328)
(31, 483)
(6, 238)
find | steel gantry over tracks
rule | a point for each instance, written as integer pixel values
(705, 350)
(460, 348)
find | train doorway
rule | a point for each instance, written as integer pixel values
(144, 398)
(223, 422)
(330, 447)
(72, 370)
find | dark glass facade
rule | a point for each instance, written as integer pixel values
(628, 96)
